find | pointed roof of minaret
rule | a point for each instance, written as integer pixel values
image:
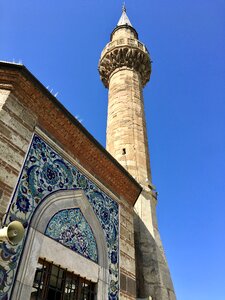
(124, 20)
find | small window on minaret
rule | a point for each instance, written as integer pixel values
(124, 151)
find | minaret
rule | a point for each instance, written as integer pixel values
(125, 68)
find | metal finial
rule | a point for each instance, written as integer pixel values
(124, 20)
(124, 7)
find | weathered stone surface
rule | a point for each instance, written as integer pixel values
(13, 137)
(126, 212)
(127, 263)
(126, 135)
(4, 94)
(14, 140)
(128, 286)
(126, 233)
(10, 156)
(151, 265)
(13, 105)
(125, 296)
(126, 223)
(123, 282)
(127, 251)
(131, 286)
(15, 124)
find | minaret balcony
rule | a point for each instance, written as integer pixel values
(124, 42)
(125, 53)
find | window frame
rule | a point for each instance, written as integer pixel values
(44, 275)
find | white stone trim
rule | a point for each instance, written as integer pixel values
(38, 245)
(18, 178)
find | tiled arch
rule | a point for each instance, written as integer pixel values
(38, 245)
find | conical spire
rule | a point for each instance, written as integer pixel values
(124, 20)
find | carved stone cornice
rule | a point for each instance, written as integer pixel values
(128, 53)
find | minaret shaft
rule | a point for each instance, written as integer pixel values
(126, 126)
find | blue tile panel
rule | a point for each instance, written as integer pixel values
(45, 172)
(70, 228)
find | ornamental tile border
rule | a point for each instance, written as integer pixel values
(70, 228)
(43, 173)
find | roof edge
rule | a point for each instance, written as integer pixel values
(26, 73)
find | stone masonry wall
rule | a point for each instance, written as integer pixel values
(151, 266)
(126, 32)
(127, 253)
(16, 128)
(126, 128)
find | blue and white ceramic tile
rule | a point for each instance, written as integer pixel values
(70, 228)
(43, 173)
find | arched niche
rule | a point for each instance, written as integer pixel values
(38, 245)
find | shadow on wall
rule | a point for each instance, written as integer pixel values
(152, 272)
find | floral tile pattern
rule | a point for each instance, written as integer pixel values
(70, 228)
(43, 173)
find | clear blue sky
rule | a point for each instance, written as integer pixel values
(60, 43)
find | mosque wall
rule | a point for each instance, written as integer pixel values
(16, 128)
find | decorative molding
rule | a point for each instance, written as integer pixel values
(128, 53)
(6, 86)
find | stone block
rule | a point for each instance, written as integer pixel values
(13, 105)
(15, 125)
(7, 177)
(123, 282)
(127, 263)
(4, 94)
(5, 131)
(127, 224)
(131, 286)
(127, 286)
(127, 248)
(29, 119)
(126, 213)
(126, 234)
(10, 156)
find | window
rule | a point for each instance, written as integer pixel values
(52, 282)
